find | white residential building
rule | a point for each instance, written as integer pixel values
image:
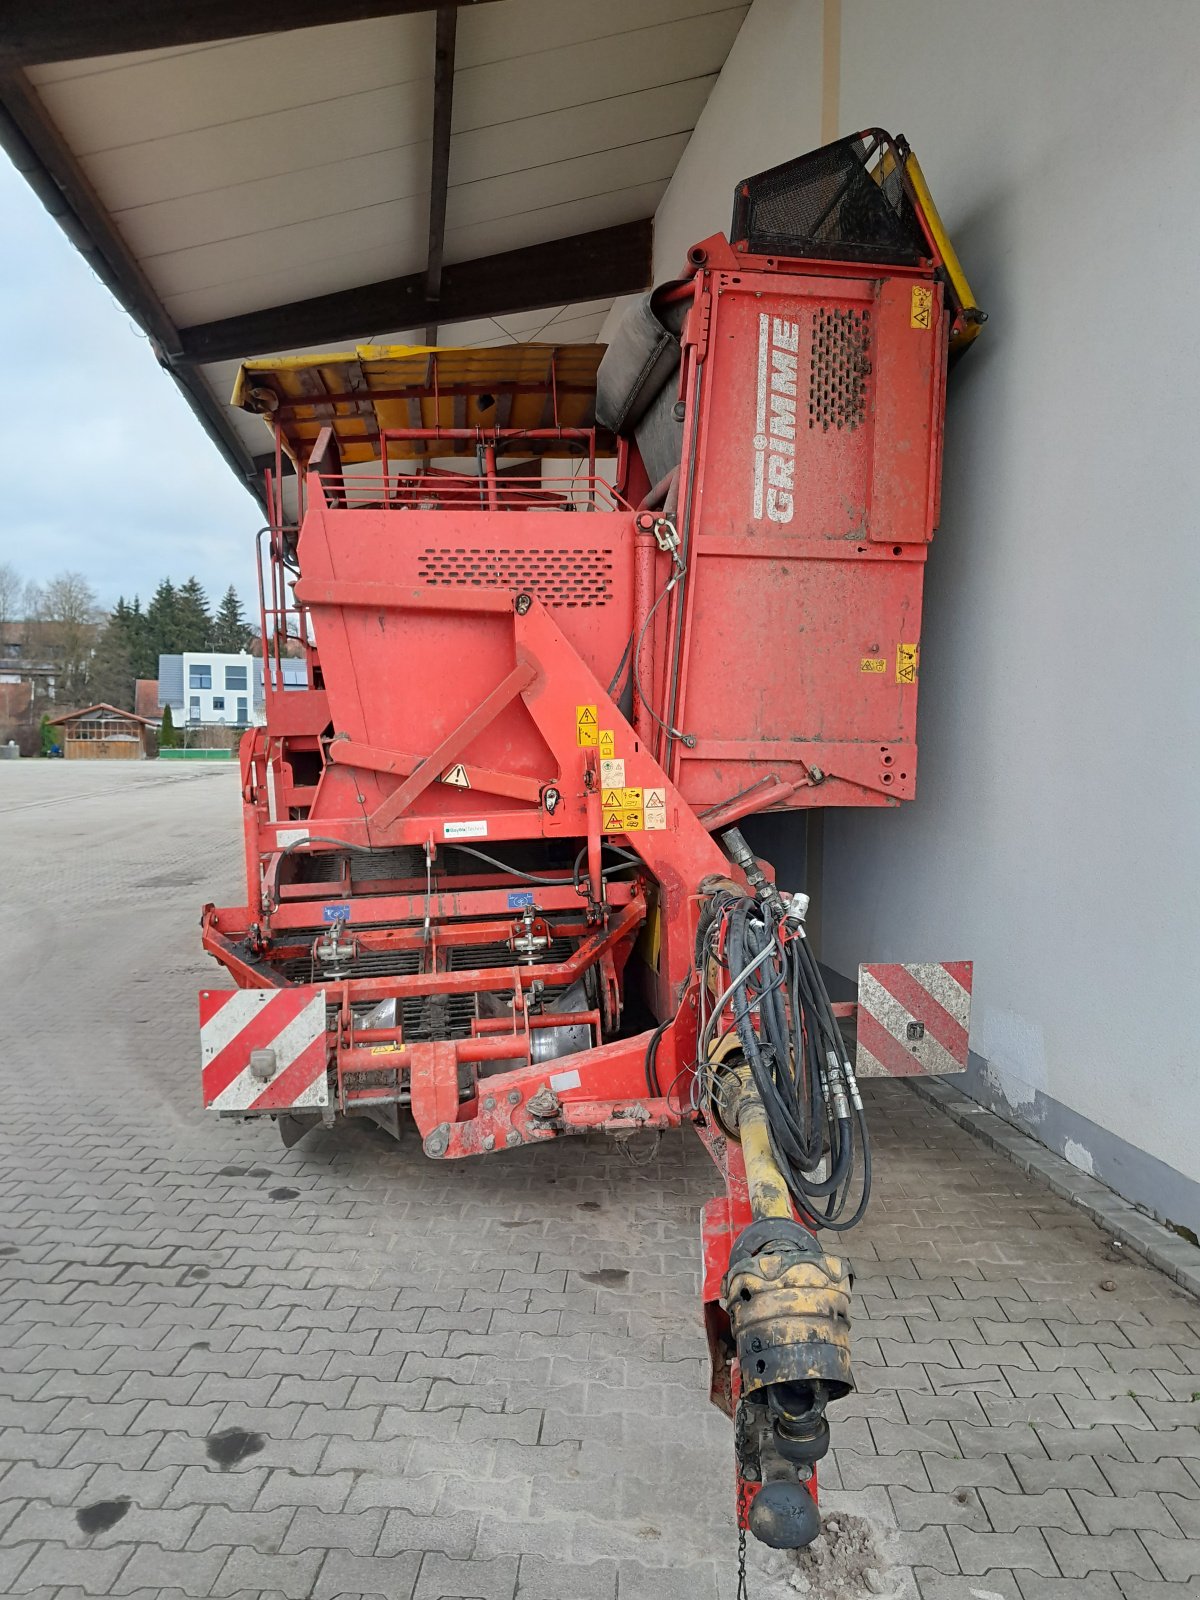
(205, 687)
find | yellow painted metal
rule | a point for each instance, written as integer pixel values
(359, 392)
(971, 324)
(764, 1181)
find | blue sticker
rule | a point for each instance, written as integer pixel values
(519, 898)
(339, 913)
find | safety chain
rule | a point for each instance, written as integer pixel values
(742, 1592)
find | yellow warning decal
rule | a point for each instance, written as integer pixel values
(387, 1049)
(623, 819)
(457, 776)
(873, 664)
(906, 663)
(613, 799)
(608, 744)
(587, 729)
(654, 803)
(922, 306)
(632, 798)
(612, 771)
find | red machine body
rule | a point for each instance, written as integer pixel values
(479, 835)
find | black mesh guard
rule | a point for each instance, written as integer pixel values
(829, 204)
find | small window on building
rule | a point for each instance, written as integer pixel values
(194, 708)
(199, 675)
(243, 710)
(218, 702)
(235, 678)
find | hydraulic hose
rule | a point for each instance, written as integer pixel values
(794, 1052)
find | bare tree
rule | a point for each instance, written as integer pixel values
(72, 618)
(12, 588)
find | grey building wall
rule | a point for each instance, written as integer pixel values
(1055, 837)
(170, 682)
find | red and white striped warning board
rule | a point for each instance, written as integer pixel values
(913, 1018)
(263, 1049)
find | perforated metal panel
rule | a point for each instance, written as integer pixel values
(839, 368)
(581, 576)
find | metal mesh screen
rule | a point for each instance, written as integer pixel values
(844, 202)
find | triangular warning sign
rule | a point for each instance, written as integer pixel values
(586, 715)
(613, 823)
(614, 797)
(457, 776)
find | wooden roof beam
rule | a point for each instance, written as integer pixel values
(75, 30)
(439, 179)
(585, 266)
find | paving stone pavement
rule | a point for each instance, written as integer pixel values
(343, 1370)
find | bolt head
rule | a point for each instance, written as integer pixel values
(489, 1141)
(438, 1142)
(489, 1104)
(514, 1097)
(513, 1138)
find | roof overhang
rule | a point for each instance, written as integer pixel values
(492, 165)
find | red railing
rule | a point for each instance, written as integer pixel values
(436, 490)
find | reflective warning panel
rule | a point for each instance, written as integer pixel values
(914, 1018)
(263, 1049)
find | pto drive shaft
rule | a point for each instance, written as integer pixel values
(788, 1303)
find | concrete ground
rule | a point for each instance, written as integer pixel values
(344, 1370)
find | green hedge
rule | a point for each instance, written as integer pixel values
(197, 755)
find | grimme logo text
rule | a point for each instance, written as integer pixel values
(775, 419)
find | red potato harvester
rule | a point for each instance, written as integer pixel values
(563, 616)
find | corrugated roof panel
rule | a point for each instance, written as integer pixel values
(589, 73)
(145, 100)
(260, 204)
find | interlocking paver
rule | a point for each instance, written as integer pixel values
(445, 1405)
(1123, 1551)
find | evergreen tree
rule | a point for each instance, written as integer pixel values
(48, 734)
(111, 669)
(193, 620)
(230, 634)
(142, 657)
(166, 734)
(162, 624)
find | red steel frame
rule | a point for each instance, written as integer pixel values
(352, 762)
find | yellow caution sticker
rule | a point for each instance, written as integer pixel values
(608, 744)
(906, 663)
(922, 306)
(654, 809)
(623, 818)
(387, 1049)
(457, 776)
(612, 771)
(632, 798)
(612, 799)
(587, 729)
(873, 664)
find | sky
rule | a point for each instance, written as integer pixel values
(107, 472)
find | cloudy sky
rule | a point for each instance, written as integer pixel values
(107, 472)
